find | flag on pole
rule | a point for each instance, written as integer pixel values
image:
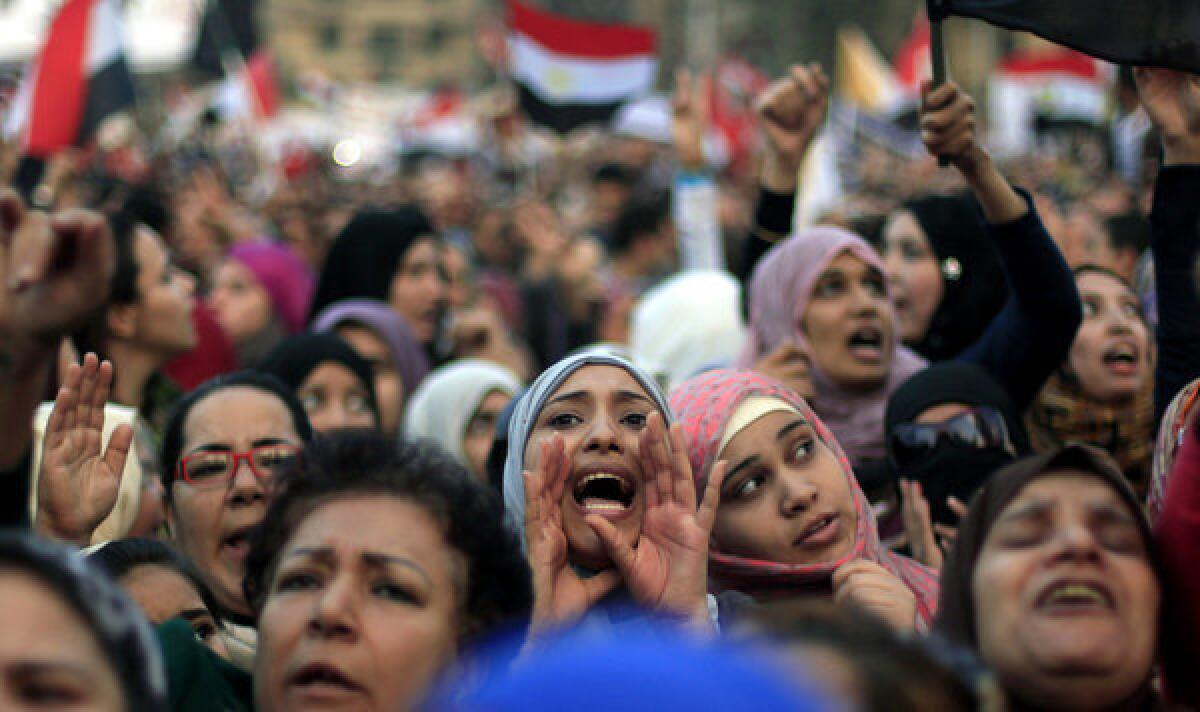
(1163, 33)
(227, 48)
(80, 78)
(570, 72)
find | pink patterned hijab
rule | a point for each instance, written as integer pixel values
(703, 406)
(780, 290)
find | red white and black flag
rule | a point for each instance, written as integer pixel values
(80, 78)
(228, 48)
(1161, 33)
(570, 72)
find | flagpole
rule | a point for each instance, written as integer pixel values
(937, 10)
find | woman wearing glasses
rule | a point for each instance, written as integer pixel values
(791, 519)
(221, 447)
(948, 428)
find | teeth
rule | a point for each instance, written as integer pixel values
(592, 504)
(1077, 592)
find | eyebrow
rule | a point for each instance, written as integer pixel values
(191, 614)
(1035, 508)
(373, 559)
(740, 466)
(787, 429)
(631, 395)
(572, 395)
(33, 667)
(219, 447)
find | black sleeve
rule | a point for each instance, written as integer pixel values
(14, 494)
(772, 222)
(1032, 334)
(1175, 227)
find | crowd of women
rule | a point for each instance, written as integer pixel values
(491, 449)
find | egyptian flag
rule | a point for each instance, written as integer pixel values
(228, 49)
(570, 73)
(79, 79)
(1161, 33)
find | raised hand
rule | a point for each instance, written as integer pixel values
(948, 125)
(56, 269)
(666, 569)
(1172, 100)
(791, 111)
(689, 119)
(560, 596)
(790, 364)
(871, 587)
(927, 540)
(78, 482)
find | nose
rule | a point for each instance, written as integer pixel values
(865, 302)
(602, 436)
(333, 611)
(893, 266)
(1078, 543)
(1119, 323)
(797, 493)
(186, 281)
(247, 488)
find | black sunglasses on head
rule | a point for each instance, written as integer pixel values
(980, 428)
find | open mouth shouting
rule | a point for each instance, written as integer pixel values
(1071, 597)
(236, 544)
(606, 491)
(1122, 358)
(866, 344)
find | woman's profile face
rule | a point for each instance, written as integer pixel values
(785, 497)
(363, 608)
(1065, 596)
(1111, 354)
(913, 276)
(49, 658)
(420, 289)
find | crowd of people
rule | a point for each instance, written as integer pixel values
(596, 425)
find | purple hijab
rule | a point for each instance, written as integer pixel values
(407, 353)
(780, 290)
(288, 280)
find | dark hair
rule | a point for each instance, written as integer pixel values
(614, 173)
(118, 627)
(120, 556)
(93, 335)
(893, 674)
(642, 216)
(172, 439)
(1128, 232)
(355, 462)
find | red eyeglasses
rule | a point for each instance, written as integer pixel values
(215, 468)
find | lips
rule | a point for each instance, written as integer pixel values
(866, 344)
(323, 679)
(1122, 358)
(1072, 596)
(822, 531)
(236, 544)
(606, 490)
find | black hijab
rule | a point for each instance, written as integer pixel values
(956, 606)
(298, 356)
(951, 469)
(118, 626)
(365, 255)
(973, 279)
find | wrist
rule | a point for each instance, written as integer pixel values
(974, 164)
(779, 176)
(1181, 150)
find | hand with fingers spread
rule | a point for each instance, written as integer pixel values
(560, 595)
(790, 364)
(871, 587)
(79, 480)
(666, 569)
(1172, 100)
(791, 111)
(927, 541)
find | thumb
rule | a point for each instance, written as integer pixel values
(118, 448)
(601, 584)
(621, 553)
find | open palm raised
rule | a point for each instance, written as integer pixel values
(78, 481)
